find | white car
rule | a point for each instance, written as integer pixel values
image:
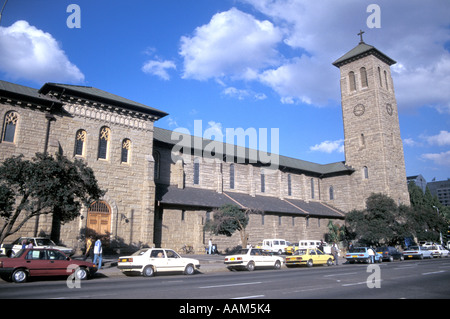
(275, 245)
(11, 250)
(252, 258)
(149, 261)
(417, 252)
(438, 251)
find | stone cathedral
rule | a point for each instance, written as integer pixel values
(159, 195)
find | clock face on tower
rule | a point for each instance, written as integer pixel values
(389, 108)
(359, 110)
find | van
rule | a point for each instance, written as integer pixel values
(274, 245)
(314, 244)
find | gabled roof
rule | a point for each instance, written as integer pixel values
(27, 94)
(94, 94)
(360, 51)
(245, 155)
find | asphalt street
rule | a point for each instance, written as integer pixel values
(411, 279)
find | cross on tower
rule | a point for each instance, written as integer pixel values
(361, 32)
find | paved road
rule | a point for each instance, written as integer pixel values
(424, 279)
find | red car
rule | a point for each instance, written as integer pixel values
(43, 262)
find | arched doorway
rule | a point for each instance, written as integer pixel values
(99, 219)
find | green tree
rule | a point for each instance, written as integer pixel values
(228, 219)
(43, 185)
(382, 222)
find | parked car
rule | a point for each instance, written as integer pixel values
(37, 242)
(252, 258)
(438, 251)
(289, 250)
(417, 252)
(43, 262)
(309, 257)
(362, 254)
(149, 261)
(390, 253)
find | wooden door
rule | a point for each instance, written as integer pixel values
(99, 218)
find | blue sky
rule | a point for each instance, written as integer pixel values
(243, 64)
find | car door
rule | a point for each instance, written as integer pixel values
(321, 257)
(36, 262)
(174, 261)
(57, 263)
(158, 259)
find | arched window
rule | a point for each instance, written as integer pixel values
(331, 193)
(365, 172)
(379, 76)
(232, 176)
(10, 127)
(289, 180)
(196, 171)
(126, 149)
(263, 181)
(363, 73)
(80, 143)
(352, 79)
(386, 80)
(157, 158)
(103, 142)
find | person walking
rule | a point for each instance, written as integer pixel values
(335, 252)
(98, 253)
(210, 246)
(88, 252)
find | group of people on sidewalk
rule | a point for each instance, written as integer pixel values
(95, 251)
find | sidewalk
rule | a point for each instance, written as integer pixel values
(208, 264)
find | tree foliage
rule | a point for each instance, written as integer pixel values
(228, 219)
(383, 222)
(43, 185)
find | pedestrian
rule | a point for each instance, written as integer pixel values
(210, 246)
(336, 253)
(371, 255)
(98, 251)
(88, 252)
(30, 244)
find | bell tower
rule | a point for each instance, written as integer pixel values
(373, 145)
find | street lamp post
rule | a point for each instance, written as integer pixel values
(440, 233)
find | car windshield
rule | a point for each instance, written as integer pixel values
(44, 242)
(357, 250)
(241, 252)
(140, 252)
(300, 252)
(414, 248)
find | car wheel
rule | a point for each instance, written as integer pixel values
(402, 258)
(391, 258)
(19, 275)
(251, 266)
(421, 257)
(148, 271)
(309, 263)
(329, 262)
(81, 273)
(189, 270)
(277, 265)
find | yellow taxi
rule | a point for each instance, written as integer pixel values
(309, 257)
(289, 250)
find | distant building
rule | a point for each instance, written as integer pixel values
(419, 180)
(441, 189)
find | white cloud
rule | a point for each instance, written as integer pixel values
(233, 44)
(159, 68)
(441, 139)
(29, 53)
(438, 158)
(329, 147)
